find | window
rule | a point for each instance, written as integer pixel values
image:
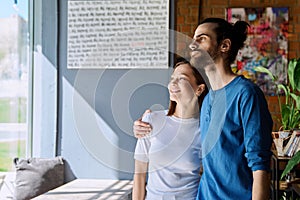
(14, 68)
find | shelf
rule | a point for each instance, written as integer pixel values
(278, 164)
(282, 185)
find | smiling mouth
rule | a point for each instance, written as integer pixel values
(194, 53)
(174, 91)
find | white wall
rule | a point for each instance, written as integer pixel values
(87, 115)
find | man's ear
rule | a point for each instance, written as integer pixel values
(225, 45)
(200, 89)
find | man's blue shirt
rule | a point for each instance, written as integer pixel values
(236, 139)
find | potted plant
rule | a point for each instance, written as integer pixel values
(290, 107)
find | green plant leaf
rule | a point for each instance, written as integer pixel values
(284, 88)
(296, 119)
(297, 100)
(265, 70)
(291, 70)
(295, 160)
(297, 75)
(285, 116)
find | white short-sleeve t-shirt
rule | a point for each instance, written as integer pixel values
(173, 152)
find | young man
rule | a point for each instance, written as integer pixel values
(235, 122)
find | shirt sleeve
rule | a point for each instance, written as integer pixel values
(143, 144)
(257, 123)
(142, 150)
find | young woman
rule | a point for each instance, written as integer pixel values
(170, 154)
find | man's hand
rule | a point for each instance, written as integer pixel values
(140, 128)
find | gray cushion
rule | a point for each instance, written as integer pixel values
(35, 176)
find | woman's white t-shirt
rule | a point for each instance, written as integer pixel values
(173, 153)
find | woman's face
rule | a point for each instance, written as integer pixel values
(182, 86)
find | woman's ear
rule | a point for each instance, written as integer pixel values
(225, 45)
(200, 89)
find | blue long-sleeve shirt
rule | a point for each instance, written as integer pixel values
(236, 140)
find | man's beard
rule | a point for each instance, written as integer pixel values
(203, 59)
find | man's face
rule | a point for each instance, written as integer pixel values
(204, 48)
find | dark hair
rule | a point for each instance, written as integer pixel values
(236, 33)
(199, 80)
